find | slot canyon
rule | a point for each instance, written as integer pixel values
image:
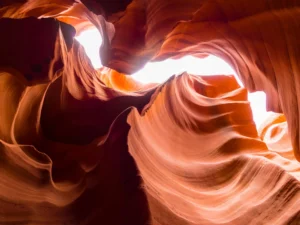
(149, 112)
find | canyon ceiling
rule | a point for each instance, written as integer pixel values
(89, 146)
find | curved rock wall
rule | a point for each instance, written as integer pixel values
(85, 146)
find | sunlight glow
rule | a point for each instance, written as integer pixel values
(91, 41)
(159, 72)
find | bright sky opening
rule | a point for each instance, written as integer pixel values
(158, 72)
(91, 41)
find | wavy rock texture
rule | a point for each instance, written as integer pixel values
(202, 161)
(259, 40)
(58, 165)
(85, 146)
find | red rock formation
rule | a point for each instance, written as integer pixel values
(202, 161)
(85, 146)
